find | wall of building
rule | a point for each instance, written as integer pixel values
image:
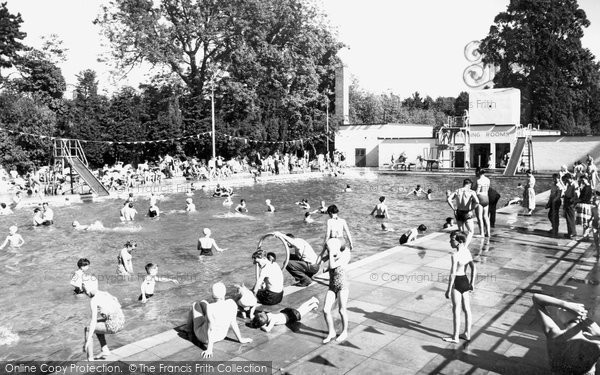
(550, 153)
(412, 147)
(350, 137)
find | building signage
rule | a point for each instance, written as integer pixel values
(497, 134)
(495, 107)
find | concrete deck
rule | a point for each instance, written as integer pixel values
(398, 313)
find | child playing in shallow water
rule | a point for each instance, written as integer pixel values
(189, 205)
(267, 320)
(13, 239)
(77, 279)
(241, 208)
(270, 207)
(304, 204)
(149, 282)
(227, 202)
(307, 218)
(412, 234)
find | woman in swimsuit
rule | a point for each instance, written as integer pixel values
(206, 244)
(337, 227)
(107, 317)
(459, 285)
(338, 287)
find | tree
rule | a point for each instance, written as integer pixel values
(10, 37)
(87, 85)
(537, 46)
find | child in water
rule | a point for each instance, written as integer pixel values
(267, 320)
(307, 218)
(13, 239)
(189, 205)
(429, 194)
(348, 189)
(228, 201)
(77, 279)
(270, 207)
(153, 211)
(304, 204)
(149, 282)
(449, 225)
(385, 228)
(241, 208)
(412, 234)
(417, 191)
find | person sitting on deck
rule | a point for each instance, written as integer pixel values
(210, 322)
(572, 339)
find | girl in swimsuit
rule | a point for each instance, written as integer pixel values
(206, 243)
(107, 317)
(338, 287)
(337, 227)
(460, 286)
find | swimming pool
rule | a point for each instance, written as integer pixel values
(42, 319)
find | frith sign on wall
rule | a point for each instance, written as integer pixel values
(495, 106)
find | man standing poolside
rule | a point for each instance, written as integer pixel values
(303, 263)
(466, 199)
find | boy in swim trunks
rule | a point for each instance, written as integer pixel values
(150, 280)
(13, 239)
(189, 205)
(267, 320)
(381, 210)
(270, 207)
(465, 200)
(412, 234)
(482, 210)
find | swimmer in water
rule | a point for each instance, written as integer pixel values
(348, 189)
(412, 234)
(189, 193)
(13, 239)
(153, 211)
(307, 218)
(270, 207)
(189, 205)
(385, 228)
(227, 202)
(304, 204)
(450, 225)
(96, 225)
(417, 191)
(4, 209)
(241, 208)
(153, 199)
(147, 287)
(381, 211)
(429, 194)
(321, 210)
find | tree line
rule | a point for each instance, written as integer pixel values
(270, 67)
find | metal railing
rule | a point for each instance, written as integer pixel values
(69, 148)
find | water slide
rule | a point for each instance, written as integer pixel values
(515, 157)
(87, 175)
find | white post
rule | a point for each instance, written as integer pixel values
(327, 122)
(212, 105)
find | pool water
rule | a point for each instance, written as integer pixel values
(42, 319)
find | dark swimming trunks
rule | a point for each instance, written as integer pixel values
(403, 239)
(207, 252)
(291, 315)
(269, 298)
(78, 290)
(461, 283)
(147, 296)
(380, 216)
(152, 213)
(463, 215)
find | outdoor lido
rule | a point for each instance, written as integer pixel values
(330, 269)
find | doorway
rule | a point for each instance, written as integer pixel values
(480, 155)
(360, 157)
(502, 154)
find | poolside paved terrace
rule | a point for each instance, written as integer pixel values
(398, 313)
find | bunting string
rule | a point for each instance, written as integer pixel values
(229, 137)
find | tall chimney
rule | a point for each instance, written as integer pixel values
(342, 90)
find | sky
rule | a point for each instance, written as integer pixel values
(398, 46)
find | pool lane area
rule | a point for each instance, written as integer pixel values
(398, 313)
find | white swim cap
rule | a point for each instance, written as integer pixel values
(219, 290)
(268, 201)
(188, 200)
(206, 231)
(13, 229)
